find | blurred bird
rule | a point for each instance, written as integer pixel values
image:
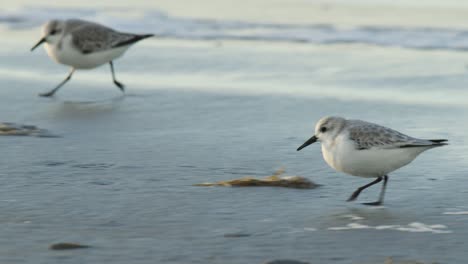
(84, 45)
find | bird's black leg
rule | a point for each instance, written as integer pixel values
(382, 193)
(360, 189)
(52, 92)
(119, 84)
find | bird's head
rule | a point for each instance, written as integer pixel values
(51, 32)
(326, 130)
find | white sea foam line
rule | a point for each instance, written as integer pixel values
(233, 85)
(456, 213)
(353, 217)
(412, 227)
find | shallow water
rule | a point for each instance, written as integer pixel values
(119, 176)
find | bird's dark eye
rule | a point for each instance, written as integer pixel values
(53, 32)
(323, 129)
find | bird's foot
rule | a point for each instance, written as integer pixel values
(377, 203)
(353, 196)
(120, 85)
(48, 94)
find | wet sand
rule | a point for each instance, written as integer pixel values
(120, 176)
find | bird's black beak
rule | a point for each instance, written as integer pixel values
(38, 43)
(311, 140)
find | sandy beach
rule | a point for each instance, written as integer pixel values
(221, 95)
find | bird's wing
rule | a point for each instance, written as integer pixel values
(90, 37)
(368, 135)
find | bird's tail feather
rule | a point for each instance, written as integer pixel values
(438, 140)
(435, 143)
(132, 40)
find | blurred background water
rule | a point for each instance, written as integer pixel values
(231, 89)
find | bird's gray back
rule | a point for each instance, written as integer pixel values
(89, 37)
(368, 135)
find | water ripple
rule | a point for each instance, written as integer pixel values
(165, 25)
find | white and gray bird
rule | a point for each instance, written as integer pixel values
(366, 150)
(84, 45)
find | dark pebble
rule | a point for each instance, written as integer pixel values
(66, 246)
(236, 235)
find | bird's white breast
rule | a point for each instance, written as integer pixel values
(65, 53)
(342, 155)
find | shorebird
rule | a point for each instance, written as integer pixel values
(82, 44)
(367, 150)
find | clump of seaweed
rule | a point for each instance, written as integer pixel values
(12, 129)
(275, 180)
